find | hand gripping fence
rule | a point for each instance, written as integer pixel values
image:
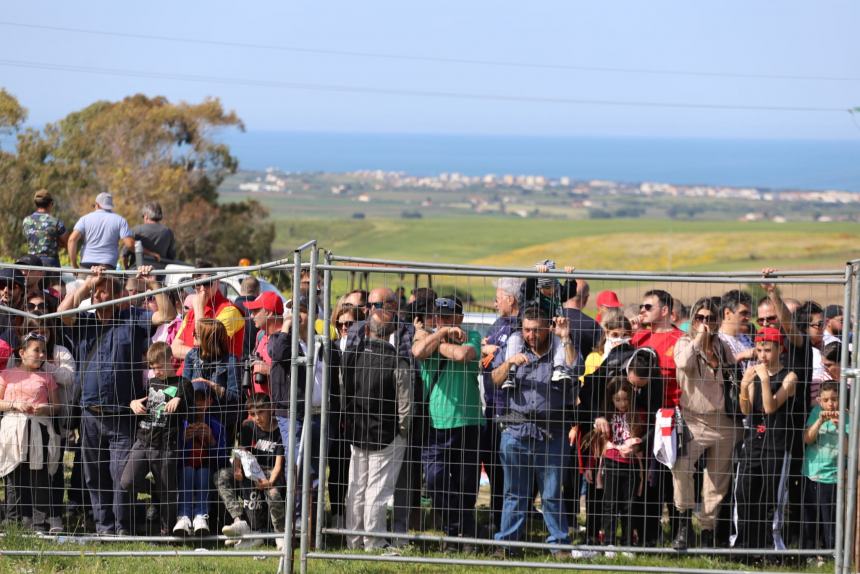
(308, 500)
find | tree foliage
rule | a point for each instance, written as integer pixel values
(144, 149)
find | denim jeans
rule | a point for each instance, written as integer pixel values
(194, 491)
(525, 459)
(105, 445)
(451, 470)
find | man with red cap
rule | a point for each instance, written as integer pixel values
(268, 313)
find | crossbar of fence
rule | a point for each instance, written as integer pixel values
(733, 279)
(586, 272)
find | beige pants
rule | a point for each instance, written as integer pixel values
(715, 437)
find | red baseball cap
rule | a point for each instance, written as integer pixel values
(608, 299)
(770, 334)
(268, 300)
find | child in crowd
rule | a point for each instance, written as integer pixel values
(204, 451)
(766, 389)
(243, 495)
(820, 467)
(29, 445)
(620, 469)
(162, 416)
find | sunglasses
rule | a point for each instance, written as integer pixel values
(376, 304)
(36, 306)
(347, 324)
(34, 336)
(768, 319)
(705, 318)
(646, 306)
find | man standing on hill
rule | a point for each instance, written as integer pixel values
(101, 230)
(157, 238)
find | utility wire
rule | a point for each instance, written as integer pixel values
(399, 91)
(432, 59)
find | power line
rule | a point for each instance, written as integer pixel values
(432, 59)
(399, 91)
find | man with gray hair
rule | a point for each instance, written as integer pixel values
(492, 355)
(378, 405)
(158, 240)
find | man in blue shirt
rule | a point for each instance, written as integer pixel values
(101, 231)
(110, 347)
(539, 415)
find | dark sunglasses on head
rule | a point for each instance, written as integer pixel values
(768, 319)
(445, 303)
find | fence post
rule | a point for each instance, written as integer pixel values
(286, 564)
(326, 384)
(850, 485)
(843, 410)
(307, 426)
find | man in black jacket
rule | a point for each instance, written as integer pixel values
(378, 403)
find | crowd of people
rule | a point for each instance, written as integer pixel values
(171, 406)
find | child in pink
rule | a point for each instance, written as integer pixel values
(29, 445)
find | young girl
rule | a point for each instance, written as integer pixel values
(766, 389)
(621, 461)
(820, 468)
(29, 446)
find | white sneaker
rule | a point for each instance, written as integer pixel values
(183, 526)
(232, 542)
(55, 525)
(610, 553)
(560, 374)
(246, 543)
(238, 528)
(582, 554)
(201, 524)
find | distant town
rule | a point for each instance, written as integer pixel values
(536, 195)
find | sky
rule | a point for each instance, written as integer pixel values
(705, 69)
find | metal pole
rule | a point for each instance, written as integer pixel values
(286, 564)
(850, 486)
(513, 270)
(843, 410)
(307, 424)
(326, 383)
(608, 276)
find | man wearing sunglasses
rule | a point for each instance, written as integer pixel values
(449, 368)
(209, 303)
(658, 332)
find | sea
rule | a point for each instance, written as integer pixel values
(771, 164)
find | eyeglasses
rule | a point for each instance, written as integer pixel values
(34, 336)
(705, 318)
(818, 325)
(646, 306)
(768, 319)
(36, 306)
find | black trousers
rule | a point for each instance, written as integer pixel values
(619, 484)
(756, 498)
(28, 495)
(819, 514)
(163, 464)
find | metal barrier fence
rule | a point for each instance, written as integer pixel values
(317, 538)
